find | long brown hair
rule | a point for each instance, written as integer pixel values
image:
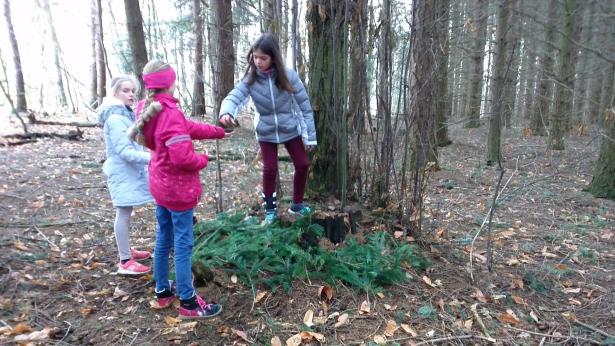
(268, 44)
(150, 108)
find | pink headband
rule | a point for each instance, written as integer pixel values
(159, 80)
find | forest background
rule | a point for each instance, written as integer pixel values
(480, 130)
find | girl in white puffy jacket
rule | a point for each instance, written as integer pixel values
(125, 168)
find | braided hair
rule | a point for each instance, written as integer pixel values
(151, 108)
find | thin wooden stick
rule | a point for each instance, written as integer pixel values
(599, 331)
(480, 321)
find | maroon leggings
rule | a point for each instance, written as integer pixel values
(301, 162)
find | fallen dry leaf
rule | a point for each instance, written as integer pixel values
(259, 296)
(380, 339)
(34, 336)
(325, 292)
(275, 341)
(308, 318)
(518, 300)
(294, 340)
(243, 335)
(171, 321)
(428, 281)
(380, 295)
(391, 328)
(508, 318)
(409, 330)
(118, 292)
(21, 328)
(342, 320)
(389, 307)
(19, 245)
(365, 308)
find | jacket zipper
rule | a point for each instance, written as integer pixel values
(275, 114)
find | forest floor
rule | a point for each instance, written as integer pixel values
(553, 279)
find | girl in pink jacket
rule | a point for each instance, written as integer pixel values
(174, 184)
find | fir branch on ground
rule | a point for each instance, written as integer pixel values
(277, 254)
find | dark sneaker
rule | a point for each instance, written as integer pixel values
(300, 209)
(199, 309)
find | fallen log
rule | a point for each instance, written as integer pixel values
(33, 120)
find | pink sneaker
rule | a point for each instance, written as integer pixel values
(139, 255)
(132, 267)
(202, 310)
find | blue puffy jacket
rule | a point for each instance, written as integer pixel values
(281, 115)
(126, 163)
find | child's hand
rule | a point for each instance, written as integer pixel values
(309, 148)
(228, 122)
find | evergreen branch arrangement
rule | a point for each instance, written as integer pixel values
(277, 254)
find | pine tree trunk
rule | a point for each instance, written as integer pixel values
(198, 90)
(226, 58)
(134, 24)
(512, 75)
(603, 180)
(583, 59)
(425, 56)
(93, 80)
(56, 55)
(357, 109)
(563, 93)
(443, 97)
(478, 13)
(501, 64)
(21, 105)
(101, 59)
(326, 44)
(383, 106)
(542, 99)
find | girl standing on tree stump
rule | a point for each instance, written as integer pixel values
(174, 183)
(126, 169)
(284, 116)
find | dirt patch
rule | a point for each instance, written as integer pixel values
(553, 254)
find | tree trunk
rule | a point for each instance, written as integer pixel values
(134, 24)
(478, 31)
(443, 97)
(198, 91)
(563, 93)
(56, 55)
(101, 58)
(603, 180)
(582, 68)
(425, 56)
(326, 44)
(530, 68)
(93, 80)
(510, 83)
(357, 93)
(542, 99)
(501, 64)
(383, 106)
(226, 58)
(21, 105)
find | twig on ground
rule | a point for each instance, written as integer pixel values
(599, 331)
(450, 338)
(555, 336)
(480, 321)
(45, 237)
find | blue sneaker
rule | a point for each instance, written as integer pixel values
(270, 216)
(299, 209)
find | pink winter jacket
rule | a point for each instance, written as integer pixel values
(174, 166)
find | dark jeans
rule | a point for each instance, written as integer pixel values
(174, 230)
(300, 160)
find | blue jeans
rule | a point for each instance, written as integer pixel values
(174, 229)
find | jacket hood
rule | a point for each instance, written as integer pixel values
(112, 105)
